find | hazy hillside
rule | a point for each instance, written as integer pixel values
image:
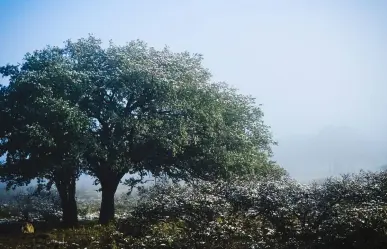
(333, 151)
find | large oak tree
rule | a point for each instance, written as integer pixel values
(151, 111)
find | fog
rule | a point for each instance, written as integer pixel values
(318, 67)
(332, 151)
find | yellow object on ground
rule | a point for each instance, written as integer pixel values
(28, 228)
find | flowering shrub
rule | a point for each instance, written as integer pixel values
(345, 212)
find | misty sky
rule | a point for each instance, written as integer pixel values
(318, 67)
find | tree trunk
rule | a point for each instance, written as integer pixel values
(70, 213)
(66, 190)
(107, 211)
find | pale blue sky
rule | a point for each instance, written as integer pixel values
(312, 64)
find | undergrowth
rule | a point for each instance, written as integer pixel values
(347, 212)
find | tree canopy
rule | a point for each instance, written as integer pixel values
(128, 109)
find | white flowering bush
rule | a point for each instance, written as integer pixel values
(344, 212)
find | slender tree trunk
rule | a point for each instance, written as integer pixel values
(66, 190)
(107, 211)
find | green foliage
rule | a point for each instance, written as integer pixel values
(39, 134)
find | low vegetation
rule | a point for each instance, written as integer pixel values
(345, 212)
